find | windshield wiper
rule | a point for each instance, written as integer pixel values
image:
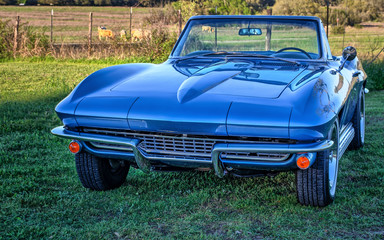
(202, 55)
(238, 54)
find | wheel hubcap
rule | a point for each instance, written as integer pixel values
(115, 165)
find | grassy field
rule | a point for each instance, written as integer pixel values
(71, 25)
(41, 196)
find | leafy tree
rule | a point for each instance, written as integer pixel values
(259, 5)
(232, 7)
(8, 2)
(297, 7)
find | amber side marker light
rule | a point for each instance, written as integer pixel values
(74, 147)
(303, 162)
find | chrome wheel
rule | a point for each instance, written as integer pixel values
(333, 161)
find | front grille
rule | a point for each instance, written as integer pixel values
(166, 145)
(184, 146)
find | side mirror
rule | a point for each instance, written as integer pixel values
(349, 53)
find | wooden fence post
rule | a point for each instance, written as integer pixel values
(51, 27)
(179, 22)
(130, 25)
(269, 33)
(327, 1)
(15, 37)
(90, 35)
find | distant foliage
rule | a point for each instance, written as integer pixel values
(159, 45)
(259, 5)
(221, 7)
(30, 43)
(189, 8)
(229, 7)
(349, 12)
(6, 38)
(375, 72)
(166, 16)
(139, 3)
(338, 30)
(297, 7)
(352, 12)
(8, 2)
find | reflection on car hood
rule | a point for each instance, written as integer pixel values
(220, 97)
(188, 80)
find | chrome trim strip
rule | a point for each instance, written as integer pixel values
(172, 146)
(270, 157)
(154, 135)
(265, 148)
(346, 138)
(144, 161)
(111, 147)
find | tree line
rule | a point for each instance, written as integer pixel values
(137, 3)
(253, 4)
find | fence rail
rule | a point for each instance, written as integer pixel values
(72, 27)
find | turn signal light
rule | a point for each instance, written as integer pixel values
(303, 162)
(74, 147)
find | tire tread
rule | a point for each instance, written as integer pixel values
(93, 172)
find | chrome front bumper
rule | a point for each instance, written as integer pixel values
(143, 162)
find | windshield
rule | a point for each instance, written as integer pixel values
(296, 39)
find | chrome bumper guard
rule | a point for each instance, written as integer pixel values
(144, 163)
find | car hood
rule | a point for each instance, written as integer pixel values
(236, 98)
(190, 80)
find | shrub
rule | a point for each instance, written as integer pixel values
(349, 12)
(157, 45)
(166, 16)
(6, 39)
(30, 43)
(375, 72)
(337, 29)
(358, 26)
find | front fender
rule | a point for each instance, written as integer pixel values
(98, 81)
(318, 104)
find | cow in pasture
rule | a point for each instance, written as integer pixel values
(137, 35)
(104, 32)
(207, 29)
(124, 35)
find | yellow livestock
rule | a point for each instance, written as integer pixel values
(138, 35)
(103, 32)
(207, 29)
(124, 35)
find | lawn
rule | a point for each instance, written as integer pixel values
(41, 196)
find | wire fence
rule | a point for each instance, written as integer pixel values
(87, 29)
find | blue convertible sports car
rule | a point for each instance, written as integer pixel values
(241, 95)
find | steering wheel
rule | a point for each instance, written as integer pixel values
(293, 48)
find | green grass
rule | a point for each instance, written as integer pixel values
(41, 196)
